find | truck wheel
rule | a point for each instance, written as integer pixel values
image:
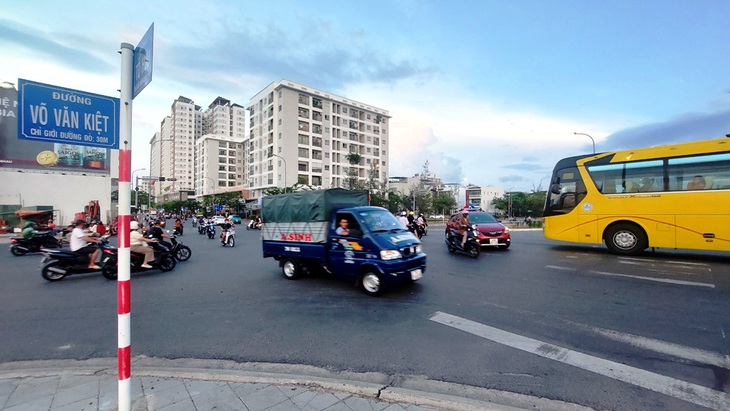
(371, 283)
(291, 269)
(626, 239)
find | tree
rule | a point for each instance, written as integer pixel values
(443, 204)
(141, 197)
(352, 182)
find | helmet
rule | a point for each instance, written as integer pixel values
(465, 211)
(80, 221)
(134, 225)
(403, 213)
(410, 212)
(28, 223)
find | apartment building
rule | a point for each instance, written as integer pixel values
(482, 197)
(301, 134)
(172, 151)
(219, 151)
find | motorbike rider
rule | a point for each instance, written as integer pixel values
(403, 219)
(157, 233)
(225, 227)
(178, 226)
(79, 243)
(29, 231)
(464, 224)
(137, 244)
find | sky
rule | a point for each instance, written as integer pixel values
(488, 92)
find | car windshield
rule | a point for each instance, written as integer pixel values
(380, 220)
(481, 218)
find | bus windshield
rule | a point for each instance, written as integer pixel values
(566, 191)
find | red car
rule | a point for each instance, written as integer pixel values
(492, 233)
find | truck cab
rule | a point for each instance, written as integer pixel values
(365, 245)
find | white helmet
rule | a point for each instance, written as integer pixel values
(134, 225)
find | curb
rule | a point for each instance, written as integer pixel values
(414, 390)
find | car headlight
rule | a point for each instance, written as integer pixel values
(390, 254)
(506, 229)
(419, 249)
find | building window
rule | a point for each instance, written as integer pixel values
(316, 128)
(316, 154)
(316, 180)
(303, 166)
(317, 102)
(303, 126)
(304, 99)
(317, 141)
(304, 139)
(304, 152)
(303, 112)
(326, 167)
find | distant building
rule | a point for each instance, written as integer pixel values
(482, 197)
(301, 134)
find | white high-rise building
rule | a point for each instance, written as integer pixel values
(173, 153)
(301, 134)
(173, 148)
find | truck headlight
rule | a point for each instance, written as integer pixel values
(390, 254)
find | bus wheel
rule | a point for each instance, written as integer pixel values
(626, 239)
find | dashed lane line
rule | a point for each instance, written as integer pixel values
(682, 390)
(659, 280)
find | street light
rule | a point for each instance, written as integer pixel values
(136, 189)
(592, 140)
(509, 207)
(282, 158)
(212, 182)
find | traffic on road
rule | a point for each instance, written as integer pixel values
(572, 323)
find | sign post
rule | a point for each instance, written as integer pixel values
(136, 68)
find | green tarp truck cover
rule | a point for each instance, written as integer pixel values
(304, 206)
(304, 215)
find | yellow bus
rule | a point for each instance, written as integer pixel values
(674, 196)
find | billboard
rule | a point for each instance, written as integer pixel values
(16, 153)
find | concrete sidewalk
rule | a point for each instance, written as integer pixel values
(169, 385)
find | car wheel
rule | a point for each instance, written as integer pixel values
(17, 251)
(183, 253)
(167, 263)
(626, 239)
(371, 283)
(291, 269)
(49, 271)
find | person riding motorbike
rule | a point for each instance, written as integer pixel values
(137, 244)
(157, 233)
(178, 226)
(225, 228)
(464, 224)
(404, 220)
(29, 230)
(79, 243)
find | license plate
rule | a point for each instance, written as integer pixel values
(416, 274)
(493, 241)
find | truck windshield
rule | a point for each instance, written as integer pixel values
(379, 220)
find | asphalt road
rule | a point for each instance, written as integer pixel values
(554, 320)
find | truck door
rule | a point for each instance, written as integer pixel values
(346, 246)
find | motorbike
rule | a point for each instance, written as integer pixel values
(164, 261)
(57, 264)
(195, 223)
(471, 246)
(419, 229)
(210, 230)
(20, 246)
(177, 231)
(228, 237)
(180, 251)
(202, 227)
(254, 224)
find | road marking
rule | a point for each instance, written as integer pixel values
(682, 390)
(660, 280)
(557, 267)
(675, 350)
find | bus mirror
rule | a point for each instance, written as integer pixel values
(555, 189)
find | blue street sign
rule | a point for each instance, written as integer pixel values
(65, 116)
(143, 62)
(218, 207)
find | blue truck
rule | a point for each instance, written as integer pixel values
(300, 231)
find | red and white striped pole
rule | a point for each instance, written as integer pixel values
(124, 338)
